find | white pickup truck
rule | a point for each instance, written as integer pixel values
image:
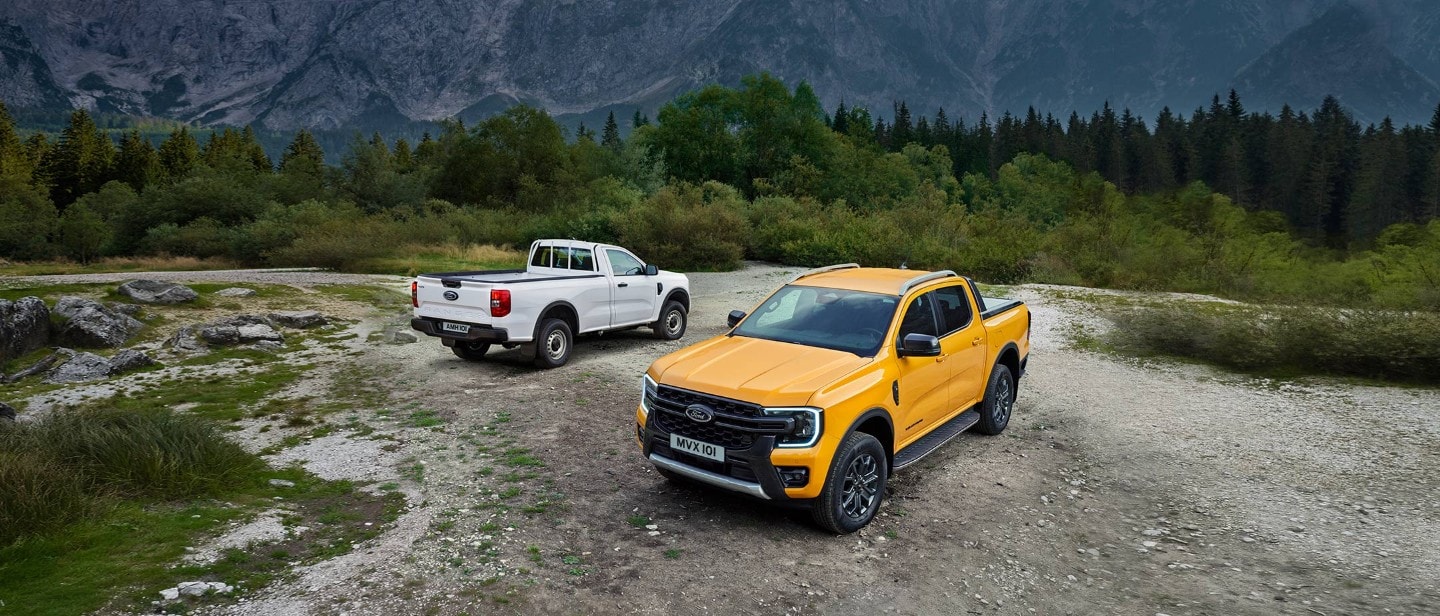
(568, 288)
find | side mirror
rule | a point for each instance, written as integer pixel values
(736, 316)
(651, 270)
(919, 345)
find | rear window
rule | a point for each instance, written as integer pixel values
(564, 257)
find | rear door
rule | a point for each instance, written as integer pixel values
(633, 293)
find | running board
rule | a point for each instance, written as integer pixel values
(936, 438)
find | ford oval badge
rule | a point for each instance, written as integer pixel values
(699, 413)
(451, 295)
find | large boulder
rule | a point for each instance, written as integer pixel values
(81, 368)
(38, 367)
(186, 340)
(240, 329)
(156, 292)
(24, 327)
(7, 412)
(92, 324)
(128, 360)
(299, 319)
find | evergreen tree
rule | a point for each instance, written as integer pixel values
(584, 134)
(841, 122)
(12, 151)
(1379, 199)
(304, 154)
(610, 136)
(903, 131)
(1329, 181)
(639, 120)
(404, 159)
(427, 152)
(255, 152)
(1288, 150)
(137, 164)
(178, 154)
(81, 162)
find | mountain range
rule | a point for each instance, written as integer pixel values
(329, 64)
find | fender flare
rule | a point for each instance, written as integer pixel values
(540, 318)
(884, 415)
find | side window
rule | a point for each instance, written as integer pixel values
(622, 264)
(954, 309)
(919, 317)
(582, 259)
(542, 257)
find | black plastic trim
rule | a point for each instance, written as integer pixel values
(486, 333)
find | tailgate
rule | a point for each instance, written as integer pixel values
(450, 299)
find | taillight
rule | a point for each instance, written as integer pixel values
(415, 294)
(499, 302)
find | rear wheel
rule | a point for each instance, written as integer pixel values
(552, 346)
(999, 401)
(854, 485)
(671, 325)
(472, 351)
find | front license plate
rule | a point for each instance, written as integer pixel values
(697, 448)
(459, 328)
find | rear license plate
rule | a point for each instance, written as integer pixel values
(459, 328)
(697, 448)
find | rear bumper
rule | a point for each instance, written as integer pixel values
(477, 333)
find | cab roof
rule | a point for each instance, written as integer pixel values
(882, 280)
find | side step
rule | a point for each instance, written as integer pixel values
(937, 437)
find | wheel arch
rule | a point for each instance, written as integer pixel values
(877, 423)
(559, 309)
(1010, 358)
(678, 295)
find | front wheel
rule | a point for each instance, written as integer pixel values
(671, 325)
(854, 485)
(552, 346)
(999, 401)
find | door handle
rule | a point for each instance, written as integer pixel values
(941, 358)
(976, 341)
(623, 285)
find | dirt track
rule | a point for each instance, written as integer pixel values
(1119, 487)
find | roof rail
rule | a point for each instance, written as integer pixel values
(822, 270)
(923, 278)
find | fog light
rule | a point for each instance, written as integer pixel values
(794, 476)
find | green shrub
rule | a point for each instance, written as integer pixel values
(71, 463)
(1388, 345)
(687, 227)
(37, 493)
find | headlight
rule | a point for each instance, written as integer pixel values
(807, 425)
(647, 393)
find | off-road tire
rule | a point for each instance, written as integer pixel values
(553, 344)
(671, 325)
(849, 500)
(470, 351)
(999, 402)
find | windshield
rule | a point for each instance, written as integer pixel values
(849, 321)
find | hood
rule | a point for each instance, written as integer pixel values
(765, 372)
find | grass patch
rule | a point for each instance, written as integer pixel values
(98, 505)
(115, 264)
(1286, 341)
(223, 398)
(449, 257)
(638, 521)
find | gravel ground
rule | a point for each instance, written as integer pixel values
(1121, 486)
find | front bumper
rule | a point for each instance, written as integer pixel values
(745, 471)
(477, 333)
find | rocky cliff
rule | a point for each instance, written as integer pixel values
(340, 63)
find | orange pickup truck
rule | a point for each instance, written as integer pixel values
(839, 378)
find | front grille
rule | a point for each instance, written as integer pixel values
(736, 424)
(683, 398)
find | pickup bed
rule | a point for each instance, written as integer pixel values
(841, 377)
(568, 288)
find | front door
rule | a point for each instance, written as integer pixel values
(632, 292)
(924, 381)
(962, 339)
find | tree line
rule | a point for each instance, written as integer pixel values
(1225, 201)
